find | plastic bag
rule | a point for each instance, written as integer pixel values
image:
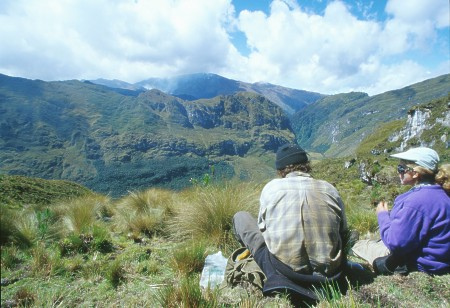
(214, 270)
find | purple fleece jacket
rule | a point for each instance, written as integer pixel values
(418, 227)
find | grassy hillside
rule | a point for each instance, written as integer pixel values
(20, 191)
(148, 248)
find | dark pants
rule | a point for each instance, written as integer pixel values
(246, 231)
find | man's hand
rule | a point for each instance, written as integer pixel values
(382, 207)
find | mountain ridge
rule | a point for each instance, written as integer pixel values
(207, 85)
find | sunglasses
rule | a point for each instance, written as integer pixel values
(403, 169)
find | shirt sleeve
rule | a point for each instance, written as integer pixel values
(263, 202)
(401, 229)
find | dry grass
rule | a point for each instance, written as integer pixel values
(78, 216)
(144, 212)
(206, 212)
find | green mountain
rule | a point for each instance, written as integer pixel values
(336, 124)
(114, 141)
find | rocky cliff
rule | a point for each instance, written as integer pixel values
(419, 122)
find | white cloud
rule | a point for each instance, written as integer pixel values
(337, 52)
(415, 12)
(136, 39)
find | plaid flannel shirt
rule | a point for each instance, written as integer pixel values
(302, 221)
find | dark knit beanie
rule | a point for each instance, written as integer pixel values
(290, 154)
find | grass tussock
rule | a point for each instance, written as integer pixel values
(79, 215)
(24, 297)
(115, 273)
(206, 212)
(187, 293)
(189, 257)
(24, 228)
(45, 262)
(10, 257)
(144, 212)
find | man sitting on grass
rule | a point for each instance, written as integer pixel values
(297, 240)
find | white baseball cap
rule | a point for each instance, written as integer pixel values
(425, 157)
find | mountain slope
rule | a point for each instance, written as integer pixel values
(114, 142)
(336, 124)
(425, 125)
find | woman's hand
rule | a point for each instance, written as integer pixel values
(382, 207)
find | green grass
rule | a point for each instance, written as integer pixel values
(106, 266)
(189, 257)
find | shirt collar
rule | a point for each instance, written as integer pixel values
(298, 173)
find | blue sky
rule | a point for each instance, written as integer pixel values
(316, 45)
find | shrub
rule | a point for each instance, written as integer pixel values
(206, 212)
(98, 240)
(70, 245)
(102, 239)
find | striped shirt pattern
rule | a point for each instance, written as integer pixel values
(301, 220)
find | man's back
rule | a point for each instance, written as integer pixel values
(301, 220)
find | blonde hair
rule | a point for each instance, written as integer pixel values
(443, 177)
(425, 174)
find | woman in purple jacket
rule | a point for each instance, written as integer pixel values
(415, 234)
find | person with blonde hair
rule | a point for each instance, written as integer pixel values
(415, 233)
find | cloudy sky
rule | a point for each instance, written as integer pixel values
(315, 45)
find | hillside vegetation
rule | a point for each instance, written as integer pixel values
(336, 124)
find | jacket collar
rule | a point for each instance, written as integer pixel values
(298, 173)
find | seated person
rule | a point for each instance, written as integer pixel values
(415, 234)
(297, 239)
